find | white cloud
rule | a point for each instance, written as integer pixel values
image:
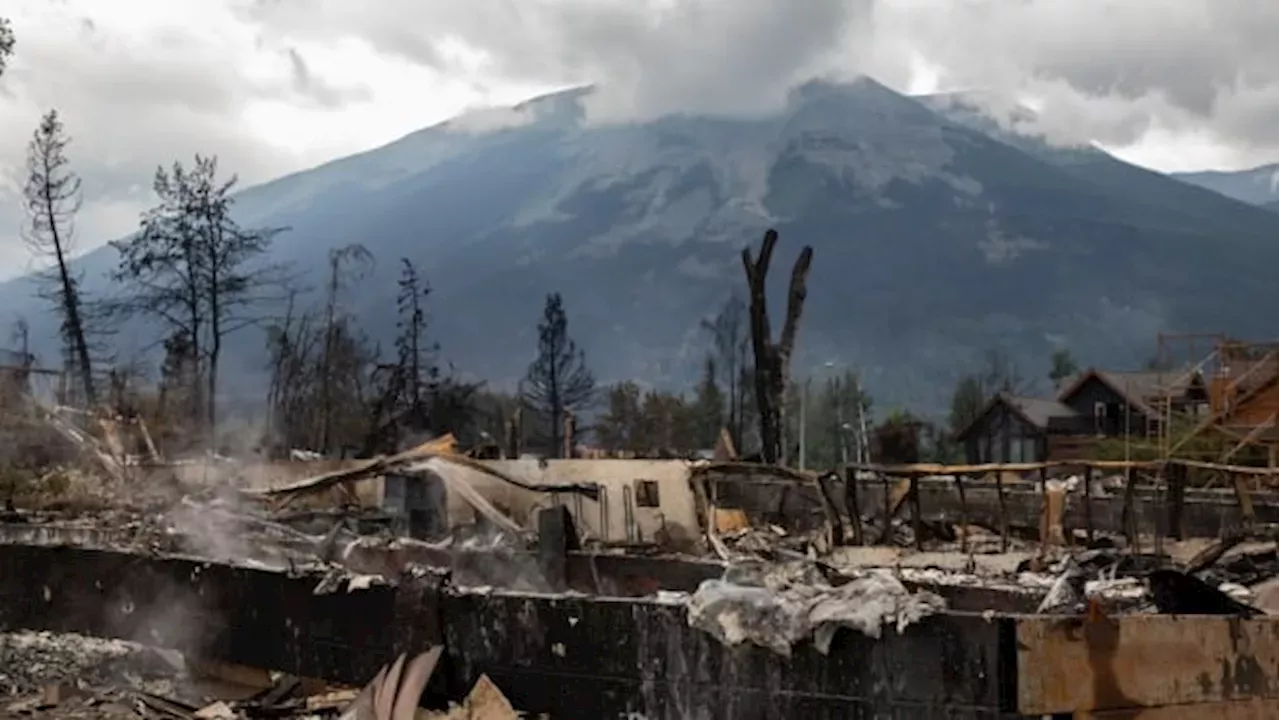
(140, 83)
(273, 86)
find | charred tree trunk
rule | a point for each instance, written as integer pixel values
(773, 359)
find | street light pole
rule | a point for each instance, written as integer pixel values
(863, 455)
(804, 412)
(840, 424)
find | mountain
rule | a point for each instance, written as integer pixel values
(1256, 186)
(934, 240)
(1147, 193)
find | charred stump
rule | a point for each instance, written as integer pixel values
(773, 359)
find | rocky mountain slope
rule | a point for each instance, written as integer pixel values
(935, 239)
(1256, 186)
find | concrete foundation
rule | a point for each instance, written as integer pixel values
(564, 655)
(578, 657)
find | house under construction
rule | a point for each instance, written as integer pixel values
(1217, 407)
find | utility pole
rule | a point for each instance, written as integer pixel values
(804, 413)
(841, 428)
(863, 455)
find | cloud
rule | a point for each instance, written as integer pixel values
(646, 57)
(274, 86)
(141, 83)
(132, 97)
(1107, 71)
(1110, 71)
(306, 85)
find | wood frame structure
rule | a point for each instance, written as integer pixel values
(1170, 481)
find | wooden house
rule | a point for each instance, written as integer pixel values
(1118, 404)
(1092, 405)
(1013, 429)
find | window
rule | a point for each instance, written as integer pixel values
(1029, 450)
(1015, 450)
(647, 493)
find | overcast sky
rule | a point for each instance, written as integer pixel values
(274, 86)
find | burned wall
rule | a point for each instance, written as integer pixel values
(243, 615)
(640, 500)
(547, 656)
(569, 656)
(792, 505)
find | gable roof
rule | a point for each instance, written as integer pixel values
(1138, 388)
(1035, 411)
(1148, 384)
(1039, 411)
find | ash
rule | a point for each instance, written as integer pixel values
(31, 661)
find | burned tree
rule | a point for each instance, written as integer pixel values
(299, 393)
(52, 198)
(410, 394)
(558, 380)
(773, 359)
(347, 264)
(196, 271)
(416, 354)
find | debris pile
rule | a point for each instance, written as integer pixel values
(31, 661)
(72, 677)
(777, 607)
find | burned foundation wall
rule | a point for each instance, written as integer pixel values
(252, 617)
(563, 655)
(547, 655)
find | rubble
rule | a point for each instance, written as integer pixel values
(484, 702)
(72, 677)
(778, 607)
(52, 675)
(32, 661)
(787, 580)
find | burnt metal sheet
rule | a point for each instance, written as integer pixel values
(580, 657)
(1143, 661)
(242, 615)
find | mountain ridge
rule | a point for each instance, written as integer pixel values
(933, 241)
(1254, 186)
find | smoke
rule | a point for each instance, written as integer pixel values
(213, 532)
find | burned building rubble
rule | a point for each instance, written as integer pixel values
(654, 588)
